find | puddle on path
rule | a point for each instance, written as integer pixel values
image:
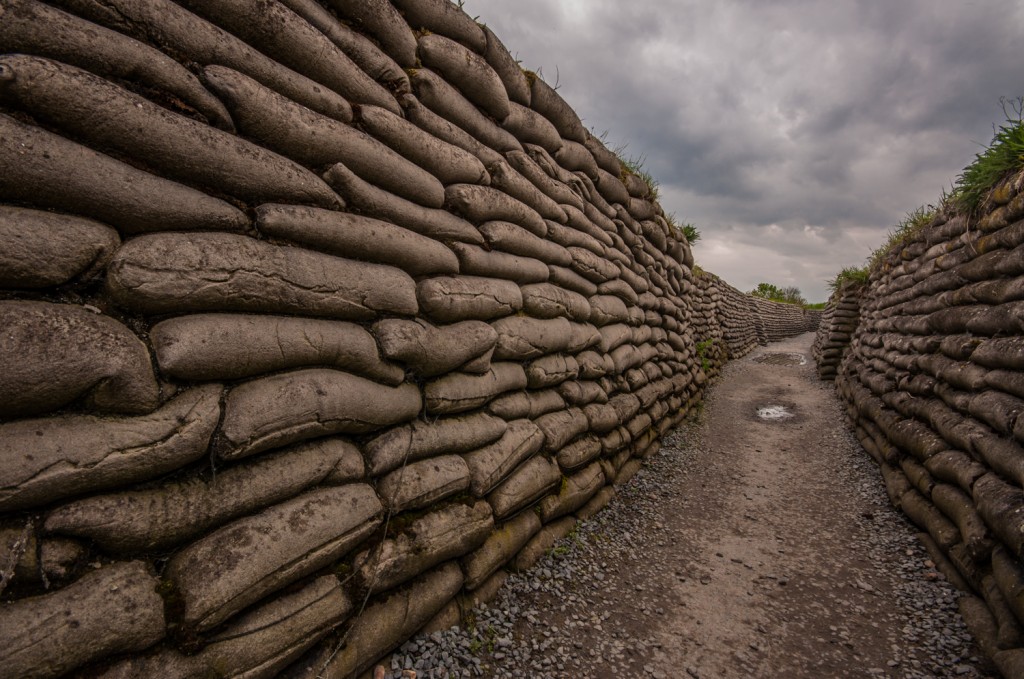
(776, 358)
(774, 412)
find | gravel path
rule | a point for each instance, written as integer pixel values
(747, 547)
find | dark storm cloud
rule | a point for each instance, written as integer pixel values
(793, 133)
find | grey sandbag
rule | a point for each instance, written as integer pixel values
(178, 272)
(49, 459)
(507, 179)
(606, 160)
(109, 117)
(451, 164)
(526, 404)
(476, 261)
(420, 439)
(444, 100)
(499, 548)
(444, 17)
(259, 642)
(42, 169)
(612, 188)
(507, 68)
(387, 623)
(449, 299)
(233, 346)
(561, 426)
(176, 30)
(32, 561)
(380, 19)
(459, 392)
(545, 300)
(54, 354)
(430, 350)
(468, 71)
(481, 204)
(542, 543)
(115, 609)
(356, 237)
(514, 239)
(30, 27)
(549, 103)
(1001, 506)
(607, 310)
(294, 406)
(551, 370)
(44, 249)
(289, 39)
(577, 489)
(316, 140)
(529, 482)
(441, 535)
(447, 131)
(521, 338)
(156, 519)
(531, 127)
(242, 562)
(573, 455)
(575, 157)
(375, 202)
(569, 279)
(552, 188)
(421, 484)
(489, 465)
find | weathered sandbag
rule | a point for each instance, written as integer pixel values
(156, 519)
(446, 18)
(594, 365)
(449, 299)
(924, 514)
(31, 561)
(508, 180)
(489, 465)
(626, 405)
(178, 272)
(109, 117)
(514, 239)
(522, 338)
(284, 408)
(1001, 352)
(531, 127)
(469, 72)
(381, 20)
(374, 202)
(625, 357)
(244, 561)
(317, 141)
(980, 623)
(522, 404)
(423, 483)
(359, 48)
(30, 27)
(200, 347)
(387, 623)
(289, 39)
(115, 609)
(481, 204)
(575, 493)
(560, 427)
(550, 370)
(176, 30)
(459, 392)
(444, 100)
(54, 354)
(1009, 576)
(607, 310)
(606, 160)
(424, 439)
(599, 501)
(431, 350)
(602, 417)
(1010, 633)
(591, 237)
(1001, 454)
(1010, 663)
(477, 261)
(582, 392)
(531, 481)
(49, 459)
(621, 289)
(444, 129)
(542, 542)
(1002, 507)
(592, 267)
(958, 507)
(258, 643)
(42, 169)
(579, 452)
(552, 188)
(441, 535)
(549, 103)
(998, 410)
(499, 548)
(544, 300)
(575, 156)
(567, 278)
(628, 471)
(616, 442)
(44, 249)
(448, 162)
(507, 68)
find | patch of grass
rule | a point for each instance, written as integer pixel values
(817, 306)
(635, 165)
(905, 231)
(1003, 155)
(851, 274)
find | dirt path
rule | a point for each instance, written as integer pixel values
(746, 548)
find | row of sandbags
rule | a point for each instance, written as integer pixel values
(318, 318)
(838, 322)
(934, 389)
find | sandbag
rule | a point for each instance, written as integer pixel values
(544, 300)
(469, 72)
(528, 483)
(490, 464)
(500, 547)
(431, 350)
(508, 70)
(421, 484)
(444, 100)
(449, 299)
(459, 392)
(481, 204)
(383, 22)
(546, 101)
(446, 18)
(420, 439)
(514, 239)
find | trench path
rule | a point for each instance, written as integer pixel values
(747, 547)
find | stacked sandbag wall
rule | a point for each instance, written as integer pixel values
(935, 389)
(316, 317)
(777, 321)
(838, 322)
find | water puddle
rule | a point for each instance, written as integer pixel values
(774, 412)
(777, 358)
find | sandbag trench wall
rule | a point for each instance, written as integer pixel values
(838, 323)
(776, 321)
(308, 332)
(934, 389)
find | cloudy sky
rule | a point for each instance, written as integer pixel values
(793, 133)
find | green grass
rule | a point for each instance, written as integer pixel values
(689, 231)
(1003, 155)
(850, 274)
(635, 165)
(905, 231)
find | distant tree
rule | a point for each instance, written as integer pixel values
(793, 295)
(767, 290)
(789, 294)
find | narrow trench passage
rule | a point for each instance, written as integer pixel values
(750, 546)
